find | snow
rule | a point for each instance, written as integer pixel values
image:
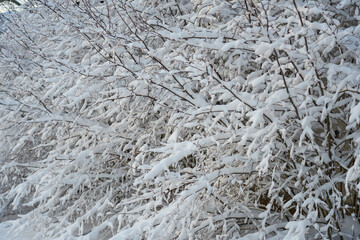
(7, 233)
(350, 227)
(182, 120)
(178, 152)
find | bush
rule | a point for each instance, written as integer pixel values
(182, 119)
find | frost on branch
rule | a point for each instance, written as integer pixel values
(181, 119)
